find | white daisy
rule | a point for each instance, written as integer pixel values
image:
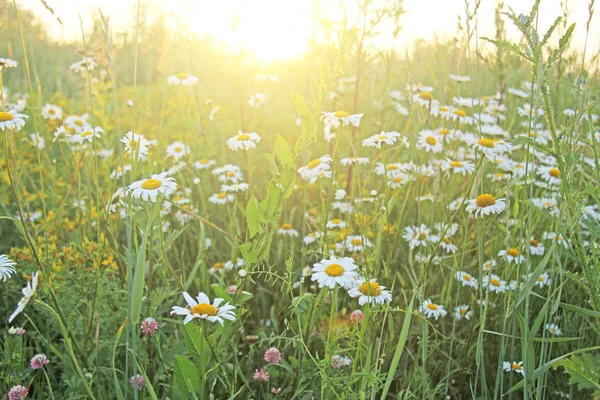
(28, 292)
(7, 63)
(466, 279)
(356, 243)
(183, 79)
(256, 100)
(338, 118)
(429, 141)
(458, 167)
(511, 255)
(549, 174)
(52, 112)
(494, 283)
(336, 223)
(388, 138)
(236, 187)
(315, 168)
(12, 120)
(178, 150)
(204, 163)
(287, 230)
(485, 204)
(491, 148)
(311, 237)
(149, 189)
(7, 267)
(221, 198)
(335, 270)
(462, 312)
(135, 144)
(244, 141)
(38, 141)
(369, 292)
(354, 160)
(536, 248)
(513, 366)
(432, 310)
(417, 235)
(553, 329)
(202, 309)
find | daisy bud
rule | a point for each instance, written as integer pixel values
(242, 273)
(374, 193)
(340, 194)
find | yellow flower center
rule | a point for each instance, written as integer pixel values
(431, 140)
(151, 184)
(432, 306)
(426, 96)
(398, 179)
(382, 137)
(286, 227)
(370, 289)
(540, 279)
(334, 270)
(357, 242)
(335, 221)
(6, 116)
(486, 143)
(517, 366)
(533, 242)
(221, 196)
(446, 240)
(314, 163)
(485, 200)
(467, 277)
(457, 164)
(460, 113)
(341, 114)
(178, 149)
(86, 134)
(485, 98)
(444, 109)
(495, 282)
(204, 309)
(554, 172)
(181, 76)
(230, 174)
(51, 111)
(392, 167)
(463, 311)
(444, 131)
(243, 137)
(203, 161)
(513, 252)
(219, 265)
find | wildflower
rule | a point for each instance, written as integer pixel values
(221, 198)
(462, 312)
(204, 163)
(488, 265)
(466, 279)
(244, 141)
(149, 189)
(149, 326)
(7, 267)
(536, 247)
(86, 135)
(16, 331)
(12, 120)
(183, 79)
(556, 238)
(260, 375)
(17, 393)
(242, 273)
(137, 382)
(511, 255)
(543, 280)
(458, 167)
(256, 100)
(513, 366)
(311, 237)
(52, 112)
(379, 139)
(7, 63)
(491, 148)
(336, 223)
(339, 118)
(202, 309)
(357, 243)
(369, 292)
(432, 310)
(335, 270)
(178, 150)
(494, 283)
(357, 316)
(275, 390)
(549, 174)
(338, 361)
(553, 329)
(28, 292)
(416, 235)
(287, 230)
(340, 194)
(486, 204)
(229, 173)
(354, 160)
(429, 141)
(273, 355)
(38, 361)
(135, 144)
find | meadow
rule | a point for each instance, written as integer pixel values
(179, 220)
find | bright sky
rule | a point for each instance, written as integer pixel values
(279, 29)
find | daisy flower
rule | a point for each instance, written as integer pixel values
(221, 198)
(7, 63)
(244, 141)
(228, 173)
(149, 189)
(553, 329)
(513, 366)
(485, 204)
(311, 237)
(511, 255)
(28, 292)
(86, 135)
(287, 230)
(556, 238)
(543, 280)
(204, 163)
(183, 79)
(369, 292)
(135, 144)
(335, 270)
(256, 100)
(52, 112)
(236, 187)
(356, 243)
(491, 148)
(458, 167)
(177, 150)
(338, 361)
(354, 160)
(398, 180)
(313, 170)
(550, 175)
(466, 279)
(462, 312)
(416, 235)
(494, 283)
(12, 120)
(335, 223)
(202, 309)
(378, 140)
(7, 267)
(429, 141)
(339, 118)
(432, 310)
(536, 248)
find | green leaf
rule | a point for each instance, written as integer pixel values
(533, 278)
(300, 104)
(584, 372)
(252, 216)
(271, 164)
(284, 152)
(187, 378)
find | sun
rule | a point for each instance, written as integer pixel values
(269, 29)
